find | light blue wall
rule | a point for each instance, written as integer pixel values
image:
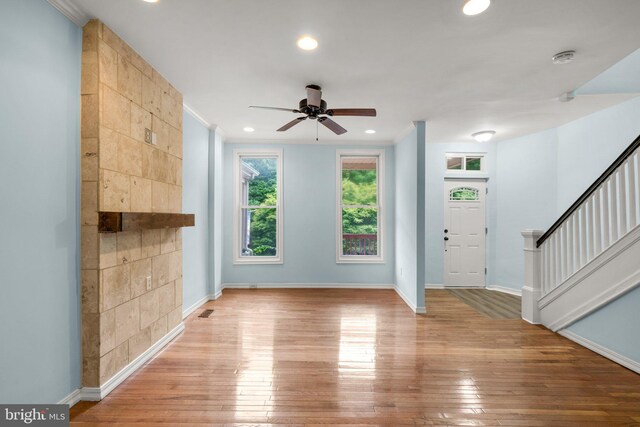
(40, 54)
(620, 78)
(421, 214)
(406, 212)
(615, 326)
(586, 147)
(436, 173)
(309, 175)
(195, 199)
(216, 185)
(526, 181)
(539, 176)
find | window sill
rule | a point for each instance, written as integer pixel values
(360, 261)
(257, 262)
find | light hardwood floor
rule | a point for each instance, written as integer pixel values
(361, 357)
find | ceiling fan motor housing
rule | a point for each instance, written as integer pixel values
(311, 110)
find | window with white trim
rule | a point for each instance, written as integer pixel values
(258, 207)
(463, 162)
(360, 206)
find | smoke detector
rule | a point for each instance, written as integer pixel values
(567, 96)
(563, 57)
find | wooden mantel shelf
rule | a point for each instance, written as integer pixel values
(112, 222)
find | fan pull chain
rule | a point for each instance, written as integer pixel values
(317, 125)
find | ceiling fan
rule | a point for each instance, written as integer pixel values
(315, 108)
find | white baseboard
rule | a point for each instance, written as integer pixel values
(99, 393)
(506, 290)
(412, 306)
(601, 350)
(434, 286)
(307, 286)
(186, 312)
(215, 296)
(74, 397)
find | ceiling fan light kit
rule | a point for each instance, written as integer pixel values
(315, 108)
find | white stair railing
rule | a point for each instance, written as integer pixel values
(602, 216)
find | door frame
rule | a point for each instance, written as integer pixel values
(463, 178)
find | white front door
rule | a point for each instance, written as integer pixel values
(464, 232)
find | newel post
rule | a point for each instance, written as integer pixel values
(532, 289)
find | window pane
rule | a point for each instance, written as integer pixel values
(359, 181)
(258, 232)
(474, 163)
(454, 163)
(360, 231)
(259, 181)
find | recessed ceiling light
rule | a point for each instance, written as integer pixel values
(248, 129)
(563, 57)
(475, 7)
(307, 43)
(483, 136)
(370, 131)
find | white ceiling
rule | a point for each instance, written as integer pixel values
(409, 59)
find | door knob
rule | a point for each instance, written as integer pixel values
(446, 238)
(446, 231)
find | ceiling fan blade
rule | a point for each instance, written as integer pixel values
(362, 112)
(291, 124)
(314, 96)
(275, 108)
(333, 126)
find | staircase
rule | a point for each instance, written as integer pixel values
(591, 255)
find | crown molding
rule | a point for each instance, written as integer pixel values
(220, 132)
(196, 115)
(345, 143)
(71, 11)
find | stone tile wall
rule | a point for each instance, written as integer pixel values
(122, 95)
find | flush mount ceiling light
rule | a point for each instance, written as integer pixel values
(370, 131)
(307, 43)
(563, 57)
(150, 1)
(483, 136)
(248, 129)
(475, 7)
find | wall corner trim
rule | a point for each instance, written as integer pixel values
(602, 350)
(193, 113)
(71, 11)
(99, 393)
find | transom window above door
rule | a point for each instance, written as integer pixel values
(463, 162)
(360, 208)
